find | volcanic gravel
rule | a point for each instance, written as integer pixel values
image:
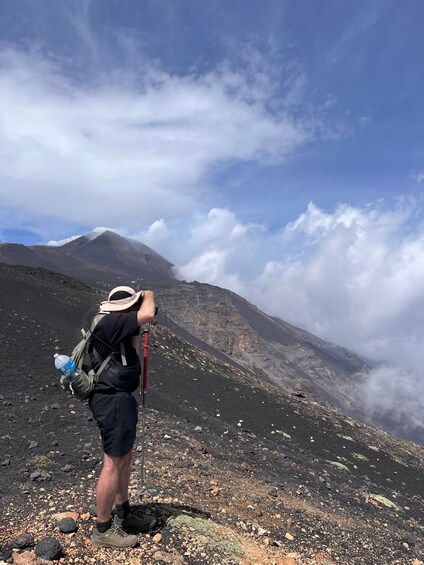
(237, 472)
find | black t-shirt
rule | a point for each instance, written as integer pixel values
(114, 328)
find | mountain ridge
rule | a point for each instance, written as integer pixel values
(103, 258)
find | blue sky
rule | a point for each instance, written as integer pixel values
(354, 68)
(275, 148)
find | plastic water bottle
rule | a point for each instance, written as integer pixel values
(66, 367)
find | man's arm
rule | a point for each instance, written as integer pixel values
(146, 312)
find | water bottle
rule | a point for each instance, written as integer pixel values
(66, 367)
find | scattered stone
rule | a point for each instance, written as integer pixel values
(40, 476)
(33, 445)
(23, 541)
(277, 543)
(55, 407)
(67, 525)
(66, 468)
(157, 538)
(85, 517)
(289, 536)
(5, 554)
(5, 462)
(245, 466)
(261, 531)
(273, 491)
(25, 558)
(198, 429)
(409, 539)
(49, 549)
(161, 556)
(288, 561)
(61, 515)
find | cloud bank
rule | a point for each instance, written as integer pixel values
(354, 276)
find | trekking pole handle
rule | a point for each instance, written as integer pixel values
(146, 346)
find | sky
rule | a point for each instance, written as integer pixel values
(272, 147)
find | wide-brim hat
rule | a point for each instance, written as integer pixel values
(120, 298)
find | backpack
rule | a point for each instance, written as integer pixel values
(84, 384)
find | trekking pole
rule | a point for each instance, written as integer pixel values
(143, 388)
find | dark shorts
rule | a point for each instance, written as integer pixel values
(116, 416)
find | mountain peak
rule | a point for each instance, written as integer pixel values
(114, 254)
(103, 257)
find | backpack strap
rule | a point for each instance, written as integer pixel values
(123, 356)
(94, 324)
(86, 336)
(103, 365)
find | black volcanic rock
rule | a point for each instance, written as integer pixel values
(67, 525)
(49, 549)
(345, 492)
(23, 541)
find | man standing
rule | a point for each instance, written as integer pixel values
(115, 410)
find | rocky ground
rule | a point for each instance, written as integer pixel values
(237, 472)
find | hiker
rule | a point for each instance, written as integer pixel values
(115, 410)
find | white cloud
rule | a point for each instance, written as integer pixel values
(59, 242)
(156, 233)
(354, 276)
(92, 234)
(391, 391)
(130, 147)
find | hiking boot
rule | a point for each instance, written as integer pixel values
(113, 537)
(132, 521)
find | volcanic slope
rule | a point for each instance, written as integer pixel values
(104, 257)
(239, 471)
(282, 353)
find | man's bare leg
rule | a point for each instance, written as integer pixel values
(124, 479)
(108, 485)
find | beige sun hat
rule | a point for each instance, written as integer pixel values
(120, 298)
